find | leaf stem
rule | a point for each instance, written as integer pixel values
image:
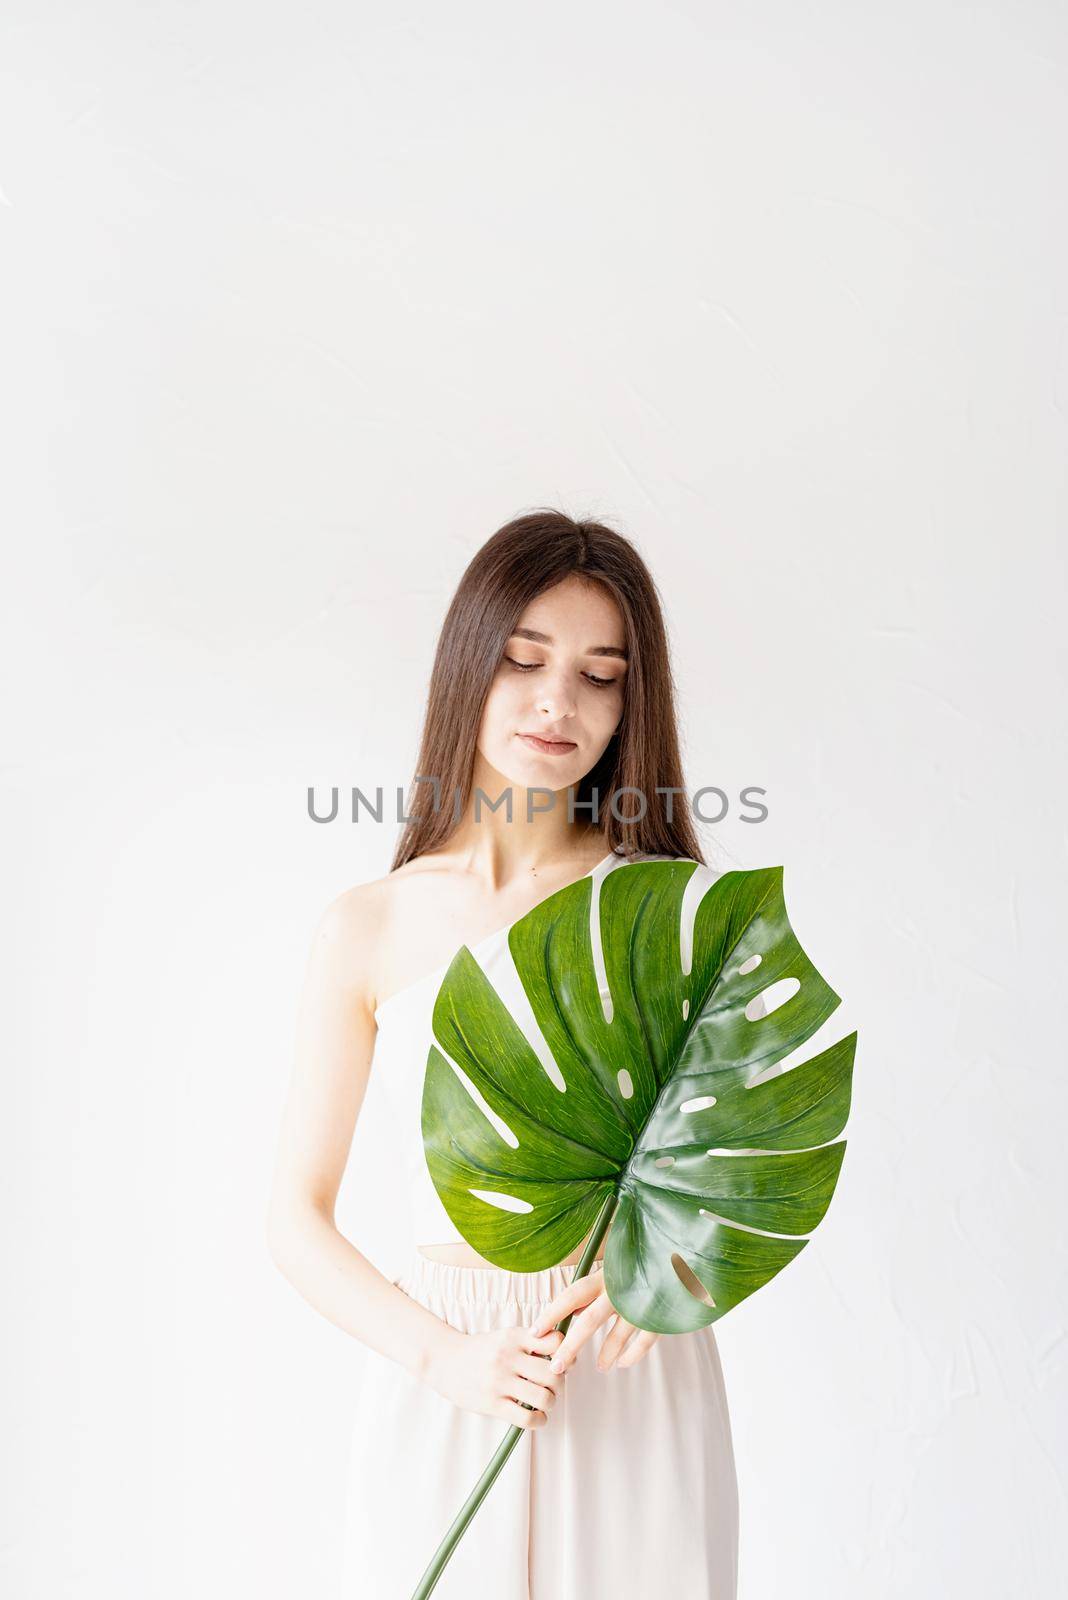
(428, 1581)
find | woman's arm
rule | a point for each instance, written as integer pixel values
(335, 1043)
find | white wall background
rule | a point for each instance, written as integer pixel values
(299, 306)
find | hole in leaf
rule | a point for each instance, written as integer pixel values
(503, 1202)
(690, 1281)
(750, 965)
(685, 1008)
(732, 1222)
(626, 1085)
(699, 1103)
(664, 1161)
(497, 1123)
(774, 996)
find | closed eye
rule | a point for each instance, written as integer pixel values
(532, 666)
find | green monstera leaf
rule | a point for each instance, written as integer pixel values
(658, 1104)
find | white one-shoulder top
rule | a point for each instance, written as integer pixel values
(405, 1034)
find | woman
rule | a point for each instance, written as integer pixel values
(551, 675)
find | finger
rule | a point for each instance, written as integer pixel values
(613, 1344)
(545, 1345)
(637, 1348)
(582, 1328)
(531, 1394)
(576, 1295)
(521, 1418)
(537, 1369)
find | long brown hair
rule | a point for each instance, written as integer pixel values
(521, 560)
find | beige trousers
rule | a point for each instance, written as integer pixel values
(627, 1492)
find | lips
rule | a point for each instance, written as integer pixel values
(548, 747)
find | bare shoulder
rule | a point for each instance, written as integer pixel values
(348, 935)
(354, 933)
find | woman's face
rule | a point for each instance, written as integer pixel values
(561, 686)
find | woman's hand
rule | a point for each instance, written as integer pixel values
(493, 1372)
(587, 1298)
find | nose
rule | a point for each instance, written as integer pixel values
(555, 698)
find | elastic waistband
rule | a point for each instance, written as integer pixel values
(487, 1284)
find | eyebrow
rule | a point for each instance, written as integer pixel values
(544, 638)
